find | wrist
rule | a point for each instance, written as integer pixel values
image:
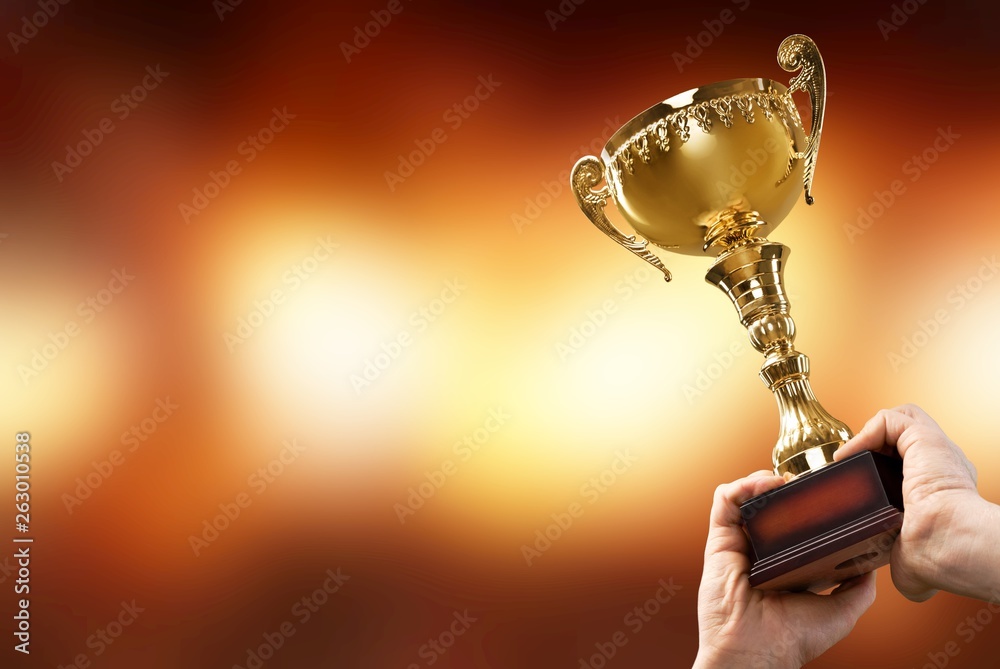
(710, 657)
(942, 536)
(702, 661)
(965, 555)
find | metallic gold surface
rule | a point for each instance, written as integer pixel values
(795, 52)
(587, 173)
(713, 171)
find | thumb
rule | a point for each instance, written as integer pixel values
(830, 617)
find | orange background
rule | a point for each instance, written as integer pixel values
(494, 346)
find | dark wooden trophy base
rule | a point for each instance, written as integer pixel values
(826, 526)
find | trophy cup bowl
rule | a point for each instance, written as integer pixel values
(730, 148)
(713, 171)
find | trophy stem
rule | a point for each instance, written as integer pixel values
(750, 271)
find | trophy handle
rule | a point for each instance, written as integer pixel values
(798, 52)
(587, 173)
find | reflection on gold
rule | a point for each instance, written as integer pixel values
(713, 171)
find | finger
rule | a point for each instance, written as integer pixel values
(854, 582)
(846, 603)
(881, 433)
(725, 532)
(853, 597)
(826, 619)
(917, 414)
(728, 497)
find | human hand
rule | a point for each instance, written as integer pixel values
(739, 626)
(944, 541)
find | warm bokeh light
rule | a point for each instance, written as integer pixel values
(395, 278)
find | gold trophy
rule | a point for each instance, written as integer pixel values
(713, 171)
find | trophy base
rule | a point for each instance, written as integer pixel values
(826, 526)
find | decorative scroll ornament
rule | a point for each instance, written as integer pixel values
(656, 136)
(588, 173)
(798, 52)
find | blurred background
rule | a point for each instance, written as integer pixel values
(317, 352)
